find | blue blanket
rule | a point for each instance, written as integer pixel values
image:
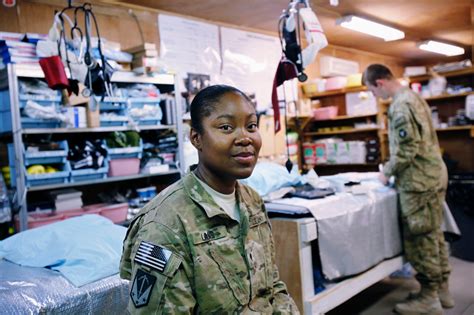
(83, 249)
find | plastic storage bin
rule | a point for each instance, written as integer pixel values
(112, 104)
(5, 112)
(39, 219)
(336, 83)
(43, 100)
(27, 123)
(354, 80)
(49, 178)
(124, 167)
(41, 157)
(326, 112)
(137, 104)
(360, 103)
(48, 157)
(122, 153)
(117, 106)
(90, 173)
(116, 213)
(116, 121)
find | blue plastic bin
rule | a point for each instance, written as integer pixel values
(27, 122)
(112, 104)
(90, 173)
(49, 178)
(5, 121)
(140, 103)
(4, 101)
(43, 100)
(116, 122)
(125, 153)
(48, 157)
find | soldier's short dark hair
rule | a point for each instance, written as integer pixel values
(376, 72)
(205, 101)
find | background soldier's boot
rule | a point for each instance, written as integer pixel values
(426, 303)
(445, 296)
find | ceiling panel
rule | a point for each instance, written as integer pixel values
(449, 21)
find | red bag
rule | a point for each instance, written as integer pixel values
(54, 73)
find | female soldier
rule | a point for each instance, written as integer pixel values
(204, 245)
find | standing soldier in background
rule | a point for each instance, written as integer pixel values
(421, 180)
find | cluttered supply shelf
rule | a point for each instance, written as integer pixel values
(164, 124)
(343, 132)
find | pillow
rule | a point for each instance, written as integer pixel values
(83, 249)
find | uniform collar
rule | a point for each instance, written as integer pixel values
(199, 195)
(401, 91)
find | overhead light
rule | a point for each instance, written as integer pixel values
(371, 28)
(441, 48)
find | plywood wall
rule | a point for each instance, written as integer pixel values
(116, 24)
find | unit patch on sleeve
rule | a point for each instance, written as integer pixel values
(402, 133)
(152, 256)
(141, 288)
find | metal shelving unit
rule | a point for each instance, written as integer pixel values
(95, 130)
(103, 181)
(9, 80)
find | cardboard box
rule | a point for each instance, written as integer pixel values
(93, 114)
(272, 144)
(360, 103)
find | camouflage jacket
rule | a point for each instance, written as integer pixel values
(415, 157)
(185, 255)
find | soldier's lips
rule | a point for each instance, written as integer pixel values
(244, 157)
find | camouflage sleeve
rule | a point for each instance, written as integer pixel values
(407, 138)
(172, 292)
(282, 302)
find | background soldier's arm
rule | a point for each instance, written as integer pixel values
(408, 139)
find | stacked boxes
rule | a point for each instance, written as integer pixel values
(334, 151)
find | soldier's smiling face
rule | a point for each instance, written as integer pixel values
(230, 141)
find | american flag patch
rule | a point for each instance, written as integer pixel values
(152, 256)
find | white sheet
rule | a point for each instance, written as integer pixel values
(355, 232)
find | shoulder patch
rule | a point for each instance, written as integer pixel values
(152, 256)
(142, 286)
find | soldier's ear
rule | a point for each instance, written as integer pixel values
(379, 82)
(195, 138)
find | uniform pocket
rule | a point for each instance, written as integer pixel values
(220, 272)
(420, 219)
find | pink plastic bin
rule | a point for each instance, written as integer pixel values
(124, 167)
(116, 213)
(336, 83)
(326, 112)
(39, 219)
(78, 212)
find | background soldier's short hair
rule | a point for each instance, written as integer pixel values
(376, 72)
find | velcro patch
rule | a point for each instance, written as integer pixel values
(209, 235)
(141, 288)
(152, 256)
(257, 219)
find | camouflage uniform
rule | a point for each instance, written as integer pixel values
(421, 179)
(213, 264)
